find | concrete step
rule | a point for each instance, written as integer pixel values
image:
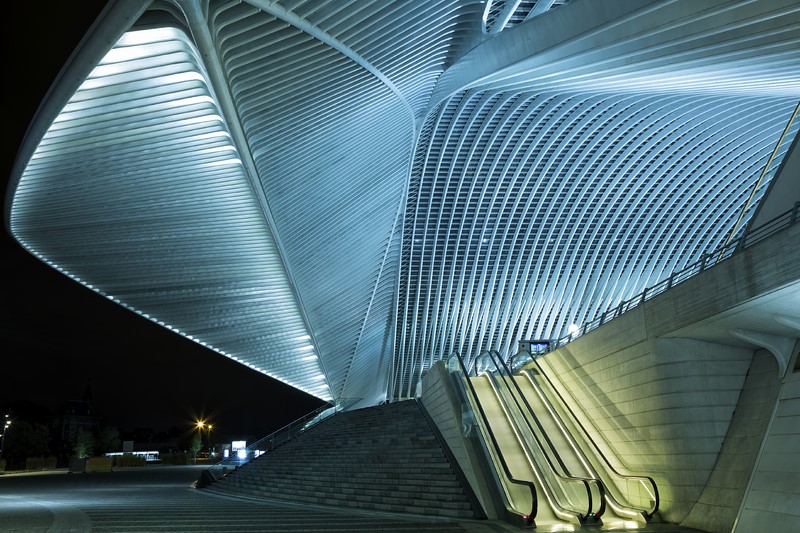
(383, 492)
(439, 491)
(388, 503)
(383, 458)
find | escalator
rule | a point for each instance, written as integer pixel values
(525, 463)
(559, 497)
(541, 441)
(629, 497)
(515, 488)
(567, 496)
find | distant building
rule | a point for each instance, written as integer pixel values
(72, 417)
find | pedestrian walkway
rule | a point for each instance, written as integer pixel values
(163, 499)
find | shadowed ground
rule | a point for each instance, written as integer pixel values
(162, 498)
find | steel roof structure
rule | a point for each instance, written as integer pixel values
(338, 193)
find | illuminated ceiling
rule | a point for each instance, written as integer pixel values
(339, 193)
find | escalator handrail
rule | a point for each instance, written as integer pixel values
(530, 410)
(503, 463)
(568, 477)
(549, 466)
(657, 501)
(582, 456)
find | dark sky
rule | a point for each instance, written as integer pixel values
(57, 336)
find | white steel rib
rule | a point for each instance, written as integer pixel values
(338, 193)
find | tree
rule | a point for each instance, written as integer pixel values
(84, 445)
(106, 439)
(24, 439)
(195, 444)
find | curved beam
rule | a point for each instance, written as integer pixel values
(276, 10)
(788, 321)
(601, 45)
(781, 347)
(198, 24)
(537, 41)
(115, 19)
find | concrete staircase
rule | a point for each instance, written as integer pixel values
(383, 458)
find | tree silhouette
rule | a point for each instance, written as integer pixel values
(106, 439)
(84, 445)
(24, 439)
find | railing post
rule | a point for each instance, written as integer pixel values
(731, 247)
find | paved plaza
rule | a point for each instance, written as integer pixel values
(163, 499)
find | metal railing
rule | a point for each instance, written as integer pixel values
(494, 451)
(751, 237)
(265, 445)
(632, 482)
(546, 454)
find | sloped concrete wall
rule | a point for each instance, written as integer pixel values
(756, 271)
(772, 502)
(442, 405)
(660, 407)
(718, 505)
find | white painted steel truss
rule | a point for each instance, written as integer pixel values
(340, 193)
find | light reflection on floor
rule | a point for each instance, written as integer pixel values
(615, 526)
(161, 498)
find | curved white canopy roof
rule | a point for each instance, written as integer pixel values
(339, 193)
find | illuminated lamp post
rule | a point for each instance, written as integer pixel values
(6, 425)
(200, 425)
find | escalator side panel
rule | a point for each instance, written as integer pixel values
(511, 448)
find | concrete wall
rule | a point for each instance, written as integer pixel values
(772, 502)
(765, 267)
(662, 408)
(443, 406)
(718, 505)
(690, 411)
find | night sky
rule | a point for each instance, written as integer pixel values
(57, 337)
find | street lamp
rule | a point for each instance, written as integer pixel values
(6, 425)
(202, 425)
